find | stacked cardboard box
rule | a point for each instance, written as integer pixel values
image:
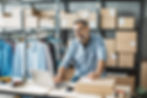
(126, 47)
(111, 52)
(31, 21)
(123, 80)
(126, 23)
(143, 74)
(108, 18)
(97, 87)
(47, 19)
(11, 18)
(67, 20)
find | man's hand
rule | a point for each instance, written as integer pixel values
(58, 79)
(93, 76)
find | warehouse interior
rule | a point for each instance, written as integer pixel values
(37, 36)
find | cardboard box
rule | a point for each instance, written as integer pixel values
(67, 20)
(111, 52)
(48, 14)
(47, 23)
(83, 14)
(110, 45)
(124, 80)
(31, 21)
(126, 41)
(111, 59)
(97, 87)
(108, 12)
(126, 60)
(108, 22)
(126, 23)
(11, 18)
(93, 20)
(143, 75)
(108, 18)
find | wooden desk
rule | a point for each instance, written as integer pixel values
(33, 90)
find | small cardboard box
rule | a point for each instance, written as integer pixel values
(126, 22)
(31, 21)
(108, 18)
(111, 52)
(126, 41)
(48, 14)
(93, 20)
(109, 12)
(124, 80)
(126, 59)
(11, 19)
(143, 75)
(108, 22)
(110, 45)
(97, 87)
(111, 59)
(67, 20)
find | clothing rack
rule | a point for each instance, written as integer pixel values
(24, 33)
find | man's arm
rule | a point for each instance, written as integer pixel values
(101, 53)
(65, 63)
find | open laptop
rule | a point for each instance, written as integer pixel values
(43, 78)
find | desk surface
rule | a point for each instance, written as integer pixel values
(31, 89)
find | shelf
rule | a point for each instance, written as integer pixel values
(121, 70)
(122, 0)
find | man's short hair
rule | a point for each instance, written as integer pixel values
(81, 21)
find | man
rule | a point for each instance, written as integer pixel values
(87, 53)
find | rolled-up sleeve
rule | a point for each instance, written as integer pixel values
(101, 49)
(68, 55)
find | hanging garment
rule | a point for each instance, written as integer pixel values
(38, 58)
(6, 55)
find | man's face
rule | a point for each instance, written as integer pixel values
(81, 33)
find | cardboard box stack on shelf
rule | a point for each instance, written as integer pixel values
(126, 47)
(67, 19)
(39, 19)
(108, 18)
(143, 74)
(125, 41)
(111, 52)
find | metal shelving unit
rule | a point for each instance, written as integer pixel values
(133, 71)
(136, 70)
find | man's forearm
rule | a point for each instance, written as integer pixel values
(100, 67)
(61, 72)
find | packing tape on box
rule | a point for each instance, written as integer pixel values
(133, 43)
(112, 12)
(113, 56)
(121, 21)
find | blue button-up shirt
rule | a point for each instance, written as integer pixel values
(85, 59)
(6, 55)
